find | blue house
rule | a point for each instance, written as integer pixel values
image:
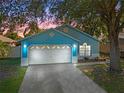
(63, 44)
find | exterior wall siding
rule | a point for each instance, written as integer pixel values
(83, 37)
(55, 37)
(45, 39)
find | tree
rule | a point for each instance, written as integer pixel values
(33, 28)
(96, 16)
(110, 12)
(12, 35)
(19, 12)
(82, 12)
(36, 9)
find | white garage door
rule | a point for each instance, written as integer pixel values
(49, 54)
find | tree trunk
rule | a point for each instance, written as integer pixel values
(114, 52)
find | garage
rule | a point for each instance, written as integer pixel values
(48, 54)
(49, 47)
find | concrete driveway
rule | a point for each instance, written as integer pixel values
(59, 78)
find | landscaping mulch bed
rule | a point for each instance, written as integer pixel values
(92, 60)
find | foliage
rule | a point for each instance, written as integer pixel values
(111, 12)
(4, 49)
(33, 29)
(36, 9)
(82, 12)
(1, 17)
(87, 14)
(12, 35)
(18, 12)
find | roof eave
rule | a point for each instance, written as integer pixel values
(78, 31)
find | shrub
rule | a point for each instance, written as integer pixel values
(4, 49)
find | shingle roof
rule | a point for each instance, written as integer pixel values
(65, 29)
(29, 37)
(74, 32)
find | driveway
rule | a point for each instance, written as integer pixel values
(58, 78)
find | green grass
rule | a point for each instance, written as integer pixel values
(11, 75)
(111, 82)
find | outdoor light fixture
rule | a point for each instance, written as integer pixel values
(74, 46)
(24, 50)
(25, 45)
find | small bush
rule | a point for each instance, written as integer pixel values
(4, 49)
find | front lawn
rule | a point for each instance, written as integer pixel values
(11, 75)
(111, 82)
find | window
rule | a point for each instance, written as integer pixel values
(85, 50)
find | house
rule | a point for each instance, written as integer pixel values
(15, 49)
(63, 44)
(7, 40)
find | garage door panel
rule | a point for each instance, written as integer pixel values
(50, 54)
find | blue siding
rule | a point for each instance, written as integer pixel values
(24, 49)
(72, 37)
(74, 51)
(83, 37)
(46, 39)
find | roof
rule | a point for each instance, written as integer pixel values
(46, 32)
(6, 39)
(75, 33)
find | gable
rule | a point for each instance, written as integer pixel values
(83, 37)
(49, 36)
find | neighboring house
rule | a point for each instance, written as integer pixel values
(63, 44)
(105, 48)
(15, 50)
(7, 40)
